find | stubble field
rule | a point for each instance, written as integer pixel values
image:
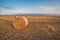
(38, 28)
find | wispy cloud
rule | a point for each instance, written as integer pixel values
(6, 7)
(47, 9)
(38, 10)
(29, 7)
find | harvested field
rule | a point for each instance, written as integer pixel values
(38, 28)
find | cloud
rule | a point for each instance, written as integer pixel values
(44, 9)
(5, 7)
(8, 7)
(57, 10)
(38, 10)
(9, 12)
(48, 10)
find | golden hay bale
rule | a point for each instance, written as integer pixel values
(20, 22)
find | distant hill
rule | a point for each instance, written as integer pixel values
(31, 14)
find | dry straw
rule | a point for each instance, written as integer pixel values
(20, 22)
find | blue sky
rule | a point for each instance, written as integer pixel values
(29, 6)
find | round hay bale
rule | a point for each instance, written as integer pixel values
(20, 22)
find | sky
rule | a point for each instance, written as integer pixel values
(29, 7)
